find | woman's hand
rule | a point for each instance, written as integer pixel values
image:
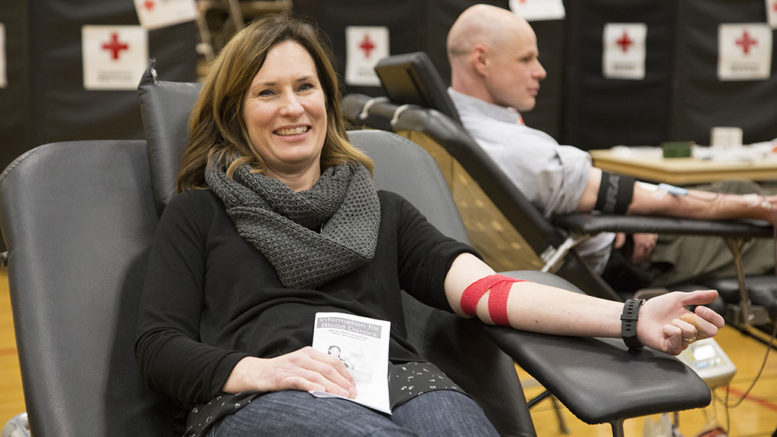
(305, 369)
(664, 323)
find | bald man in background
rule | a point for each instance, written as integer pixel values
(496, 75)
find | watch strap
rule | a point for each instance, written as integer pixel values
(629, 322)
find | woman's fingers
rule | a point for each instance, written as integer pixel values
(308, 369)
(704, 323)
(333, 369)
(710, 316)
(304, 369)
(698, 297)
(678, 327)
(673, 338)
(308, 380)
(705, 320)
(687, 331)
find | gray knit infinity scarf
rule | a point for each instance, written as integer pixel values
(284, 225)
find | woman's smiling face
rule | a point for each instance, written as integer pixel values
(285, 114)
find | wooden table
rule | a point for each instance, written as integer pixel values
(649, 165)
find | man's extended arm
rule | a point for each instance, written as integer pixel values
(695, 204)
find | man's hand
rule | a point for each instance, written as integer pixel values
(643, 245)
(769, 204)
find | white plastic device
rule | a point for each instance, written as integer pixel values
(708, 360)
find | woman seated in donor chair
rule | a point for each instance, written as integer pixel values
(277, 219)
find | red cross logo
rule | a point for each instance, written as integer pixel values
(774, 6)
(367, 46)
(624, 41)
(115, 46)
(148, 4)
(746, 41)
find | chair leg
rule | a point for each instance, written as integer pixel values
(617, 428)
(562, 423)
(744, 314)
(540, 397)
(236, 14)
(744, 300)
(205, 46)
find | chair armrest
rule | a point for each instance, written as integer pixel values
(599, 380)
(595, 223)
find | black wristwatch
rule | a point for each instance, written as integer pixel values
(629, 323)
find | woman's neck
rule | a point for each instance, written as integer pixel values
(297, 181)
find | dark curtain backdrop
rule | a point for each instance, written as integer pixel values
(679, 99)
(45, 100)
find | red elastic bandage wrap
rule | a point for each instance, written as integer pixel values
(497, 300)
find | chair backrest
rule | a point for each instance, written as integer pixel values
(165, 108)
(78, 218)
(400, 166)
(412, 78)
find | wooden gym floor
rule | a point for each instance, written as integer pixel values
(504, 249)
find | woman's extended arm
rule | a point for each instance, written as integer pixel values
(551, 310)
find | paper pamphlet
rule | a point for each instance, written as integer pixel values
(362, 344)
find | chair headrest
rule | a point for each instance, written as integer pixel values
(165, 108)
(412, 78)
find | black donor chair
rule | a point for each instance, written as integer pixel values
(417, 100)
(78, 218)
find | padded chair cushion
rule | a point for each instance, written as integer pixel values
(165, 108)
(78, 220)
(762, 289)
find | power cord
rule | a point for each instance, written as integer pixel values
(725, 402)
(757, 376)
(772, 310)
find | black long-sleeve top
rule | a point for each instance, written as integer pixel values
(211, 299)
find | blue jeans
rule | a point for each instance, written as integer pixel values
(299, 414)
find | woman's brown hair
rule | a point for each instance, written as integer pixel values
(217, 129)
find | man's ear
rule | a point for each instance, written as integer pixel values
(479, 59)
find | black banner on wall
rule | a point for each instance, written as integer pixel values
(62, 109)
(702, 100)
(423, 26)
(15, 125)
(606, 111)
(44, 98)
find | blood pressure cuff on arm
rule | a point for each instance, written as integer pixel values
(615, 193)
